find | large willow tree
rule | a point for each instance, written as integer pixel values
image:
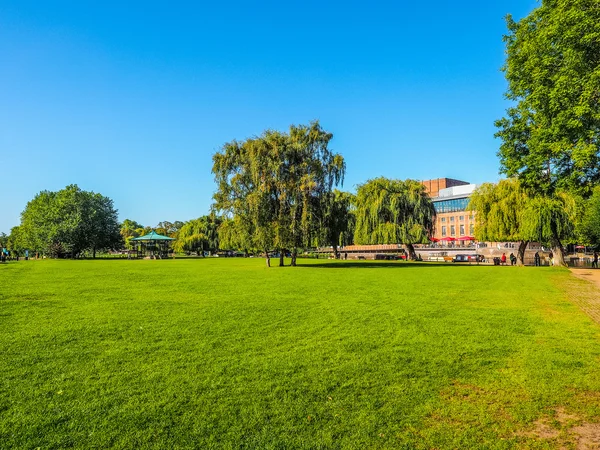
(505, 212)
(499, 213)
(552, 221)
(274, 187)
(392, 212)
(198, 235)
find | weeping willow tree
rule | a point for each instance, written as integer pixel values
(392, 212)
(498, 213)
(551, 220)
(274, 187)
(507, 212)
(198, 235)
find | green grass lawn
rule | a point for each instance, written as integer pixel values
(225, 353)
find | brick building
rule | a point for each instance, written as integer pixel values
(450, 199)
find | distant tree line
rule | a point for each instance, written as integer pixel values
(276, 193)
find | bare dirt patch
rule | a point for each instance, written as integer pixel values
(565, 430)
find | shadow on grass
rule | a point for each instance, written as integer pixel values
(382, 264)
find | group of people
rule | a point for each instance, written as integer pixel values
(12, 255)
(512, 258)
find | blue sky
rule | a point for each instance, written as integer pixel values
(132, 100)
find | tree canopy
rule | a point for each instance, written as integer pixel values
(393, 211)
(69, 221)
(199, 235)
(551, 134)
(275, 186)
(506, 212)
(499, 213)
(590, 222)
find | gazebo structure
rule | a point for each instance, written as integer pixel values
(152, 245)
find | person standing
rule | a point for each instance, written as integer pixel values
(595, 260)
(536, 259)
(503, 259)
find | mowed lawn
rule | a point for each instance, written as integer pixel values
(225, 353)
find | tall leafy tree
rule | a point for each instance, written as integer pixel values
(551, 134)
(499, 213)
(14, 239)
(69, 220)
(274, 186)
(130, 229)
(393, 211)
(589, 229)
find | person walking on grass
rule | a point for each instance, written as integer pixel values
(595, 260)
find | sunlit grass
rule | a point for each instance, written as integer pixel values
(225, 353)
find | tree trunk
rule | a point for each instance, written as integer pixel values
(521, 253)
(281, 261)
(410, 251)
(294, 254)
(268, 258)
(336, 254)
(94, 252)
(558, 254)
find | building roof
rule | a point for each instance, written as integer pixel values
(455, 192)
(153, 236)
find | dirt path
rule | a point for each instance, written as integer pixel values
(587, 299)
(592, 275)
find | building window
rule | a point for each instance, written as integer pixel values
(452, 230)
(443, 231)
(443, 219)
(471, 229)
(461, 218)
(451, 219)
(455, 205)
(462, 230)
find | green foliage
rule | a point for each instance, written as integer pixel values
(219, 353)
(170, 229)
(551, 136)
(550, 220)
(498, 211)
(338, 220)
(198, 235)
(71, 220)
(393, 211)
(130, 229)
(590, 223)
(276, 186)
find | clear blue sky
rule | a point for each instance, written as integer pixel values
(132, 99)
